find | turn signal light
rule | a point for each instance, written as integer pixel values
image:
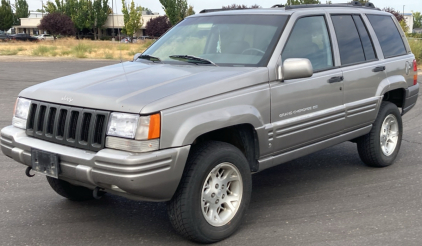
(154, 126)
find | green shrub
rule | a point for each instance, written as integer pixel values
(416, 46)
(43, 50)
(108, 55)
(81, 49)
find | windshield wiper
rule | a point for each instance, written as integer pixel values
(192, 59)
(149, 58)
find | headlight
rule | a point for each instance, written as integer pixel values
(144, 132)
(20, 115)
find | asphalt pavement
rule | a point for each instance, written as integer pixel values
(327, 198)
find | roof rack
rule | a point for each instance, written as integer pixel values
(216, 10)
(352, 4)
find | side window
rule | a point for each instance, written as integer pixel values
(348, 39)
(309, 39)
(388, 35)
(367, 44)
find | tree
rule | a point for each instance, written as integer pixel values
(363, 2)
(100, 15)
(190, 11)
(175, 10)
(398, 16)
(40, 10)
(21, 11)
(417, 20)
(57, 24)
(83, 17)
(404, 26)
(241, 6)
(6, 15)
(297, 2)
(157, 26)
(147, 10)
(132, 18)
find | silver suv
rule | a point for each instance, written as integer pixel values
(222, 95)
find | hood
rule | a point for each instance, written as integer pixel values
(143, 87)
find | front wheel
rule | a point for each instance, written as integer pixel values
(379, 148)
(213, 194)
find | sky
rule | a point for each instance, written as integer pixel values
(155, 6)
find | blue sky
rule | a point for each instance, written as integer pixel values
(154, 5)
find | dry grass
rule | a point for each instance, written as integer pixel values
(75, 48)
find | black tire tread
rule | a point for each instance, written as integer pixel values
(179, 220)
(366, 144)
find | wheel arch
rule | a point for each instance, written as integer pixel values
(242, 136)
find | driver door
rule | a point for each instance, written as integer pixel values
(308, 110)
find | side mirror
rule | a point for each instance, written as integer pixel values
(296, 68)
(136, 56)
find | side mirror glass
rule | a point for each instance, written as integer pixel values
(296, 68)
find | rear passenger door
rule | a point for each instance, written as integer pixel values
(398, 60)
(362, 70)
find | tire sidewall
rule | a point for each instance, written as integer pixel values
(387, 110)
(203, 168)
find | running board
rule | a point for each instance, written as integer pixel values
(291, 155)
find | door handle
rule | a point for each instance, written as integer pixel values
(378, 69)
(335, 79)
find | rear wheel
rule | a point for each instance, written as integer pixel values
(69, 191)
(379, 148)
(213, 194)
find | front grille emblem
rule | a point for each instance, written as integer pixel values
(67, 99)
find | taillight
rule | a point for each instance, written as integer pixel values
(415, 76)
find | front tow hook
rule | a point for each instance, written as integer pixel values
(27, 172)
(98, 193)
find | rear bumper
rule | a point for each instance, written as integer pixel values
(152, 176)
(411, 98)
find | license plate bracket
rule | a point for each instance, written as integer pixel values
(45, 163)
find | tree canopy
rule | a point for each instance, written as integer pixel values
(6, 15)
(175, 10)
(132, 18)
(417, 20)
(398, 16)
(21, 11)
(157, 26)
(57, 24)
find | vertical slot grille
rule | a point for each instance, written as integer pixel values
(86, 121)
(41, 117)
(99, 125)
(70, 126)
(62, 122)
(73, 125)
(31, 119)
(50, 120)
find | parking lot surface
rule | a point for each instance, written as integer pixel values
(327, 198)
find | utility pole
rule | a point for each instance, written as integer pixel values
(403, 10)
(42, 8)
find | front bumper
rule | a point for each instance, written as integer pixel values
(152, 176)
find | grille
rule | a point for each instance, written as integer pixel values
(76, 127)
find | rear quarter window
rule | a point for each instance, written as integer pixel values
(388, 35)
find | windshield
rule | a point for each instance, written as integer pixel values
(236, 40)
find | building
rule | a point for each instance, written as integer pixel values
(30, 25)
(408, 17)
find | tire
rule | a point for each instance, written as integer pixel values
(187, 209)
(69, 191)
(371, 150)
